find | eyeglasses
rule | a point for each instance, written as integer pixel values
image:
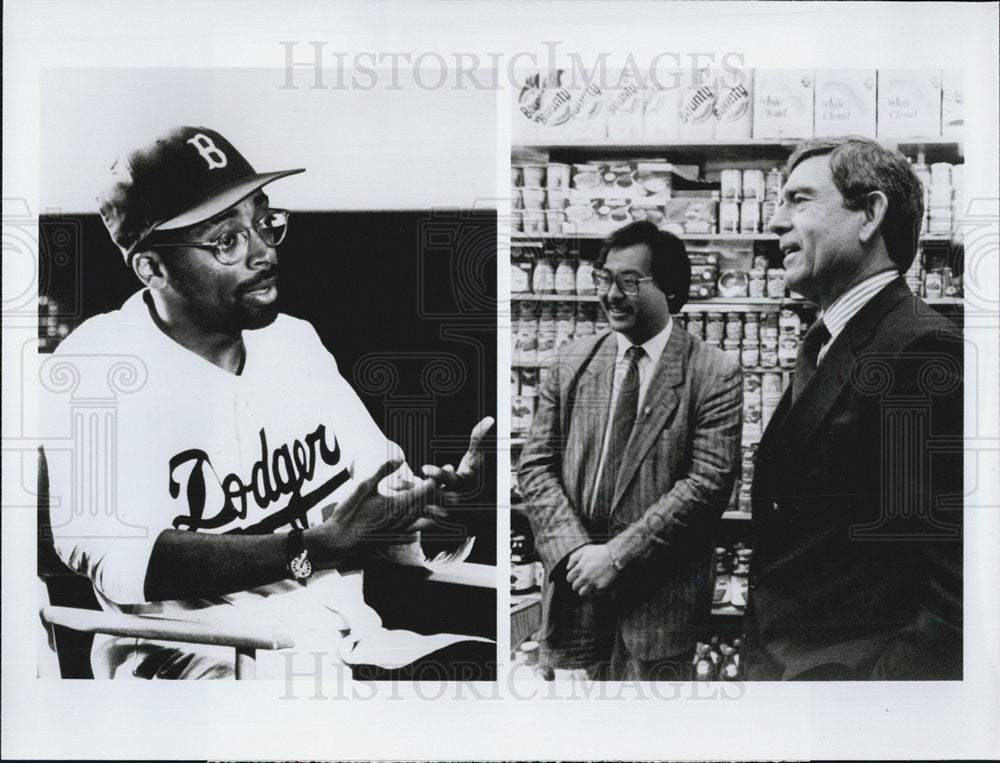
(627, 283)
(233, 245)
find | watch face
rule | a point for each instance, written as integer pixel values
(301, 567)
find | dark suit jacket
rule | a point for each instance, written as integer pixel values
(680, 464)
(857, 499)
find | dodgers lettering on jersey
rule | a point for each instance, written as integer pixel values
(271, 478)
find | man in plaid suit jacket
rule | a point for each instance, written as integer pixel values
(629, 464)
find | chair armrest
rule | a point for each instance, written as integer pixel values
(466, 573)
(166, 629)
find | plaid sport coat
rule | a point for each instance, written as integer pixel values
(679, 467)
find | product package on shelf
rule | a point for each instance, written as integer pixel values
(783, 103)
(690, 215)
(661, 119)
(624, 103)
(845, 102)
(572, 109)
(952, 104)
(527, 94)
(697, 122)
(733, 110)
(909, 103)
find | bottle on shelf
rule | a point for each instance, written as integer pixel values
(739, 582)
(702, 667)
(543, 279)
(720, 589)
(565, 274)
(729, 668)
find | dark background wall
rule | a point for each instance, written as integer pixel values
(405, 301)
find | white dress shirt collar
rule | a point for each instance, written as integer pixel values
(848, 304)
(653, 346)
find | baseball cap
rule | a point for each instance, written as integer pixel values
(180, 179)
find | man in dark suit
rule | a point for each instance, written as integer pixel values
(857, 494)
(630, 462)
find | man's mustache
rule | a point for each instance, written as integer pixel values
(257, 281)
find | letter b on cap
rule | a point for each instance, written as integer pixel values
(211, 153)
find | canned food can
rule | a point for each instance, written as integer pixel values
(734, 326)
(696, 325)
(772, 185)
(788, 350)
(732, 349)
(789, 322)
(750, 355)
(729, 216)
(555, 198)
(758, 282)
(776, 283)
(770, 386)
(751, 388)
(516, 175)
(934, 285)
(533, 197)
(534, 175)
(753, 185)
(732, 183)
(751, 326)
(767, 211)
(714, 328)
(557, 175)
(768, 353)
(750, 217)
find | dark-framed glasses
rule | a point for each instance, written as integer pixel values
(232, 246)
(628, 284)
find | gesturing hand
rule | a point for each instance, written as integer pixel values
(368, 516)
(462, 479)
(589, 570)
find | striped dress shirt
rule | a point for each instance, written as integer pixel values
(847, 305)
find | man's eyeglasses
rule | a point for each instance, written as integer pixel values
(233, 245)
(628, 284)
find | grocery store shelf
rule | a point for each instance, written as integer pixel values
(528, 297)
(536, 237)
(517, 441)
(944, 301)
(702, 145)
(734, 304)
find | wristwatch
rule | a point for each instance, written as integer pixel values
(299, 565)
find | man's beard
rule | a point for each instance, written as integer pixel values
(250, 317)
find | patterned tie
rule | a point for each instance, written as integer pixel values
(626, 408)
(805, 361)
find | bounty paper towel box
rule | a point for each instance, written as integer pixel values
(952, 103)
(527, 94)
(572, 109)
(783, 103)
(697, 102)
(624, 104)
(661, 119)
(909, 103)
(733, 111)
(845, 102)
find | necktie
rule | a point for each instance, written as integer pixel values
(626, 408)
(805, 361)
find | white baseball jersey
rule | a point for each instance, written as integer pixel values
(143, 435)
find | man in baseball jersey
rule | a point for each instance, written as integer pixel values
(238, 474)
